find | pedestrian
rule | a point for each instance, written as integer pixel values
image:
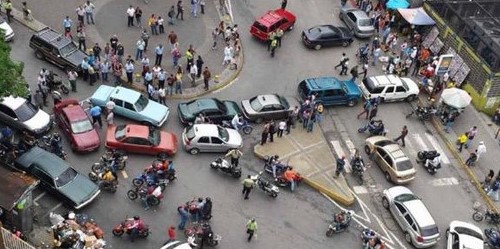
(493, 192)
(404, 132)
(281, 127)
(365, 70)
(340, 166)
(162, 96)
(110, 106)
(138, 17)
(56, 97)
(190, 59)
(449, 122)
(199, 65)
(344, 66)
(80, 33)
(289, 123)
(471, 159)
(92, 75)
(8, 9)
(202, 6)
(89, 12)
(178, 81)
(488, 180)
(462, 139)
(206, 77)
(193, 72)
(160, 22)
(342, 59)
(235, 155)
(373, 111)
(228, 55)
(153, 24)
(96, 50)
(172, 38)
(251, 228)
(271, 36)
(247, 186)
(129, 70)
(159, 54)
(354, 73)
(80, 12)
(110, 118)
(272, 130)
(148, 78)
(283, 4)
(38, 99)
(481, 149)
(471, 134)
(72, 76)
(311, 120)
(95, 113)
(279, 35)
(194, 7)
(139, 49)
(171, 14)
(274, 44)
(265, 133)
(180, 10)
(67, 22)
(305, 117)
(184, 217)
(171, 234)
(117, 72)
(130, 15)
(170, 85)
(104, 68)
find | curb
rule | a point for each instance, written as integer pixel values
(322, 189)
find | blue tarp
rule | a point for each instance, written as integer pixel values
(397, 4)
(416, 16)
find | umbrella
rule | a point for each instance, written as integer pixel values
(455, 97)
(397, 4)
(416, 16)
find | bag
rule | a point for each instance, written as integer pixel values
(248, 231)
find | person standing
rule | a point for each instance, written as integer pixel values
(274, 44)
(180, 10)
(319, 111)
(162, 76)
(265, 133)
(153, 24)
(8, 9)
(172, 38)
(161, 27)
(340, 166)
(344, 67)
(139, 49)
(67, 22)
(449, 122)
(85, 68)
(95, 113)
(117, 72)
(251, 228)
(159, 54)
(194, 7)
(283, 4)
(80, 33)
(96, 50)
(404, 132)
(193, 71)
(344, 57)
(272, 130)
(38, 99)
(104, 68)
(110, 117)
(171, 14)
(281, 127)
(89, 12)
(184, 217)
(279, 35)
(72, 75)
(202, 6)
(130, 15)
(171, 234)
(199, 65)
(493, 192)
(354, 73)
(92, 75)
(471, 134)
(178, 81)
(206, 77)
(235, 155)
(80, 12)
(462, 139)
(247, 186)
(270, 38)
(138, 17)
(129, 70)
(481, 149)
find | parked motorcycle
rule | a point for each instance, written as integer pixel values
(492, 237)
(226, 167)
(153, 199)
(122, 228)
(54, 83)
(265, 185)
(108, 186)
(358, 169)
(336, 227)
(423, 156)
(245, 127)
(268, 165)
(374, 127)
(423, 113)
(203, 230)
(111, 158)
(489, 215)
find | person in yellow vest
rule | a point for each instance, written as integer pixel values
(8, 9)
(190, 60)
(274, 44)
(462, 139)
(319, 111)
(279, 35)
(451, 84)
(270, 37)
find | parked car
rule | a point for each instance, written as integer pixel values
(7, 30)
(76, 124)
(393, 162)
(57, 49)
(464, 235)
(214, 109)
(57, 176)
(210, 138)
(321, 36)
(389, 88)
(267, 107)
(18, 113)
(357, 21)
(271, 21)
(131, 104)
(330, 91)
(419, 228)
(176, 245)
(141, 139)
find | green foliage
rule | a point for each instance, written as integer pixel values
(12, 81)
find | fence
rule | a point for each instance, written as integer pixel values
(10, 241)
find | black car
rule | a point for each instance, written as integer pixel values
(212, 108)
(58, 177)
(326, 36)
(57, 49)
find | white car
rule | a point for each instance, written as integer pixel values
(8, 32)
(20, 114)
(464, 235)
(389, 88)
(176, 245)
(210, 138)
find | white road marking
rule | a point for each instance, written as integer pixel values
(360, 190)
(39, 196)
(124, 174)
(55, 207)
(350, 146)
(230, 10)
(438, 148)
(420, 142)
(410, 147)
(450, 181)
(340, 152)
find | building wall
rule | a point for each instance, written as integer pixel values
(481, 83)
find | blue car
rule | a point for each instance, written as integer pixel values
(330, 91)
(131, 104)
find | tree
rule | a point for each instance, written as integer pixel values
(12, 81)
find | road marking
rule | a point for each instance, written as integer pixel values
(39, 196)
(450, 181)
(55, 207)
(411, 147)
(340, 152)
(124, 174)
(350, 146)
(360, 190)
(436, 146)
(420, 142)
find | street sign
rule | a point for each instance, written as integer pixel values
(443, 64)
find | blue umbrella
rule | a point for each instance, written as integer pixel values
(397, 4)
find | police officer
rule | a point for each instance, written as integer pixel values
(270, 38)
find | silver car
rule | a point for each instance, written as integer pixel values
(210, 138)
(357, 21)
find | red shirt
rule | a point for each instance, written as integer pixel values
(171, 233)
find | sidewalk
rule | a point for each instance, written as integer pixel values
(311, 156)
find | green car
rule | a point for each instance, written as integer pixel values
(58, 177)
(212, 108)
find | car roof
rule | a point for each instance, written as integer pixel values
(205, 103)
(420, 212)
(125, 94)
(322, 83)
(359, 14)
(49, 162)
(52, 36)
(325, 29)
(75, 112)
(206, 130)
(384, 80)
(269, 99)
(13, 102)
(137, 131)
(395, 151)
(270, 18)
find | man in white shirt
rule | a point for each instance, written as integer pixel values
(235, 122)
(130, 14)
(110, 105)
(89, 12)
(140, 45)
(193, 72)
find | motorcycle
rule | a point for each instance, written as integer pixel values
(423, 113)
(245, 127)
(226, 167)
(153, 199)
(122, 228)
(151, 179)
(108, 186)
(53, 143)
(111, 158)
(265, 185)
(281, 181)
(489, 215)
(358, 169)
(492, 237)
(55, 84)
(202, 229)
(333, 229)
(423, 156)
(374, 127)
(268, 165)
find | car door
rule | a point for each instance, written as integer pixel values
(218, 145)
(380, 154)
(333, 97)
(399, 212)
(65, 125)
(129, 110)
(118, 109)
(279, 112)
(453, 241)
(400, 93)
(388, 94)
(138, 145)
(203, 144)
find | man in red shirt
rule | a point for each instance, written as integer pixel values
(171, 234)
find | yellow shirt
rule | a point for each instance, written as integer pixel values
(108, 176)
(462, 139)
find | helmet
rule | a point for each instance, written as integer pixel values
(136, 217)
(208, 199)
(56, 135)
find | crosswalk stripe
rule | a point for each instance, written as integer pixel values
(339, 151)
(420, 142)
(410, 147)
(444, 182)
(436, 146)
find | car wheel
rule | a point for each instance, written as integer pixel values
(387, 176)
(367, 149)
(317, 47)
(385, 203)
(39, 55)
(345, 43)
(259, 120)
(411, 98)
(194, 151)
(351, 103)
(447, 233)
(162, 156)
(291, 27)
(408, 238)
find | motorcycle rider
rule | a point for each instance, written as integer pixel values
(235, 155)
(135, 227)
(435, 162)
(357, 161)
(207, 209)
(275, 164)
(367, 236)
(291, 176)
(236, 122)
(494, 238)
(55, 143)
(108, 178)
(340, 219)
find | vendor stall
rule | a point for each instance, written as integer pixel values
(76, 231)
(452, 102)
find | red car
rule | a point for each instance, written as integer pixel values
(141, 139)
(77, 125)
(271, 21)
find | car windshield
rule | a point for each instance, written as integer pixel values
(190, 133)
(223, 134)
(260, 26)
(284, 102)
(154, 136)
(403, 165)
(81, 126)
(470, 232)
(405, 84)
(315, 32)
(120, 132)
(255, 104)
(26, 111)
(141, 103)
(68, 49)
(364, 22)
(429, 231)
(405, 197)
(368, 83)
(66, 177)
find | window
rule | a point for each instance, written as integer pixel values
(389, 89)
(132, 140)
(400, 89)
(267, 109)
(7, 111)
(381, 152)
(216, 140)
(327, 36)
(277, 107)
(331, 93)
(212, 113)
(141, 103)
(400, 207)
(260, 26)
(129, 106)
(120, 132)
(410, 221)
(204, 140)
(67, 176)
(118, 102)
(352, 17)
(388, 159)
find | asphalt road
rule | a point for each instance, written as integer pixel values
(296, 220)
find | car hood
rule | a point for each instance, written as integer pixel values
(101, 95)
(76, 57)
(247, 108)
(232, 108)
(87, 139)
(352, 88)
(374, 139)
(235, 139)
(39, 121)
(6, 28)
(155, 111)
(79, 190)
(413, 87)
(168, 142)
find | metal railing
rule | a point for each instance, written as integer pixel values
(11, 241)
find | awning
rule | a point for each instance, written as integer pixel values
(416, 16)
(396, 4)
